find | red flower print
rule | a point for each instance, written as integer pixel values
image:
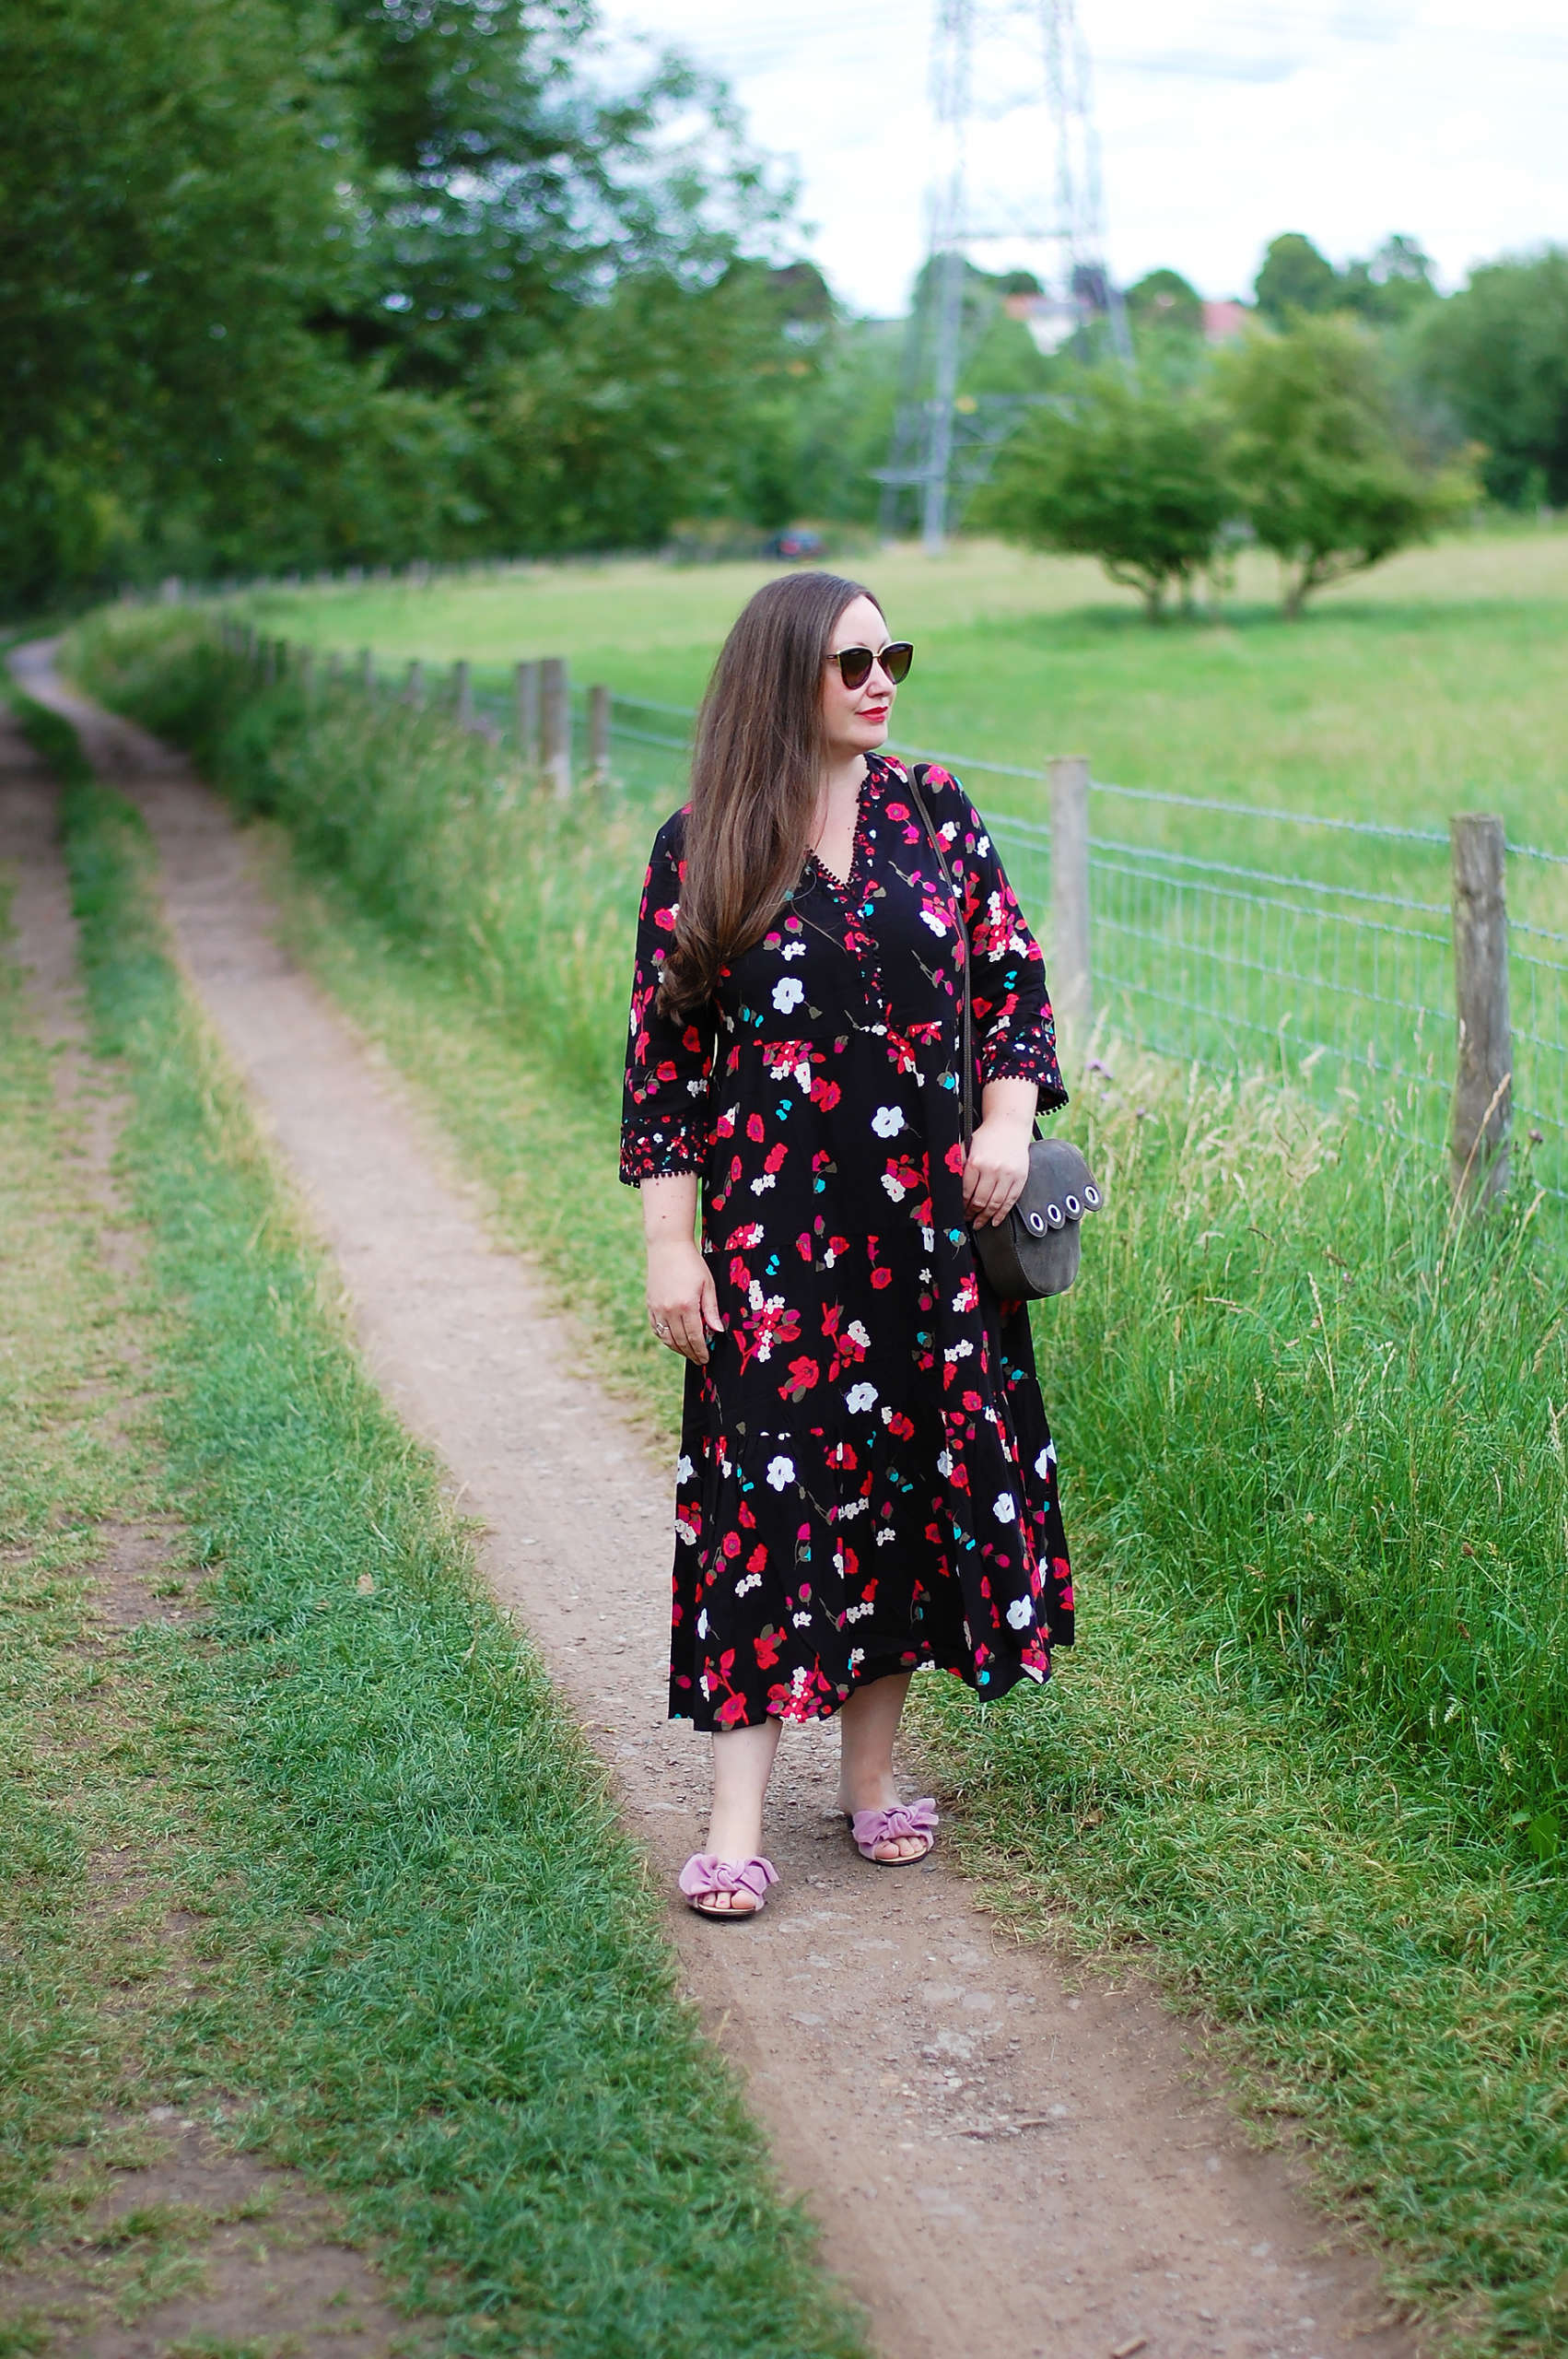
(773, 1160)
(757, 1561)
(664, 920)
(803, 1374)
(731, 1711)
(754, 1127)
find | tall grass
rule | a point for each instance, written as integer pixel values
(1325, 1416)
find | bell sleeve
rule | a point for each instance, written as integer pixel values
(1015, 1029)
(665, 1119)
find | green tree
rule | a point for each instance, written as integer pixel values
(1131, 477)
(1164, 302)
(1295, 277)
(1498, 353)
(1392, 286)
(268, 267)
(1320, 459)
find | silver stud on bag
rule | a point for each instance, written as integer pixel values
(1056, 1216)
(1092, 1197)
(1074, 1209)
(1036, 1222)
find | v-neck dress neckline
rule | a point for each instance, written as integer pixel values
(846, 884)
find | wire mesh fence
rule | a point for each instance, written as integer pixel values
(1318, 948)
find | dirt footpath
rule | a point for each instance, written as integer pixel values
(1003, 2158)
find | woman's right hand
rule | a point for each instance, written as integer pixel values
(683, 1301)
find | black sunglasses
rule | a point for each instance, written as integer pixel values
(855, 663)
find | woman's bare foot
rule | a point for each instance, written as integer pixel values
(867, 1726)
(742, 1762)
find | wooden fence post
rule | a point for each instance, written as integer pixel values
(525, 691)
(555, 750)
(463, 694)
(1072, 995)
(599, 730)
(1478, 1134)
(414, 686)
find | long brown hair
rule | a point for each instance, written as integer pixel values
(756, 774)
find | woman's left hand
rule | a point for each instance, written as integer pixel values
(997, 1166)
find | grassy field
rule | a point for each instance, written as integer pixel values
(1434, 685)
(425, 1967)
(1311, 1748)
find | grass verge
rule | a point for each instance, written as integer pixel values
(432, 1973)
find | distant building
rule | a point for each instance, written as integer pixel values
(1048, 320)
(1225, 322)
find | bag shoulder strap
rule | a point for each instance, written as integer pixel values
(917, 777)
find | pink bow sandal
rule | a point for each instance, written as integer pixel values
(704, 1873)
(893, 1824)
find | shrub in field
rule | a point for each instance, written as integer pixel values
(1324, 1419)
(1131, 477)
(1316, 459)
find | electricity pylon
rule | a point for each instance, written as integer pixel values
(991, 59)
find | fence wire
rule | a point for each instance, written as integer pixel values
(1235, 935)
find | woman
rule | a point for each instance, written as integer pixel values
(866, 1481)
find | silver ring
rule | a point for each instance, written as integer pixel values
(661, 1326)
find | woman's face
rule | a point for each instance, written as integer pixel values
(856, 718)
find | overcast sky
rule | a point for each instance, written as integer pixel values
(1221, 122)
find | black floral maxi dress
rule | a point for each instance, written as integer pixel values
(866, 1481)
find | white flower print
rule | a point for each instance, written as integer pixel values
(752, 1581)
(958, 1351)
(944, 1463)
(859, 1613)
(1019, 1613)
(857, 1656)
(895, 1188)
(1046, 1460)
(780, 1470)
(788, 993)
(860, 1398)
(764, 1181)
(886, 1536)
(702, 1623)
(937, 925)
(682, 1468)
(887, 1121)
(856, 1330)
(1005, 1506)
(793, 950)
(686, 1532)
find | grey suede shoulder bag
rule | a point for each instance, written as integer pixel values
(1034, 1251)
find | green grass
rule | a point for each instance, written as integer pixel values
(1434, 685)
(1311, 1747)
(432, 1972)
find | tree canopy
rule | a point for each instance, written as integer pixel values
(1316, 457)
(1498, 353)
(1129, 475)
(273, 272)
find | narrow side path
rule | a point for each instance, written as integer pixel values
(1001, 2159)
(150, 2207)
